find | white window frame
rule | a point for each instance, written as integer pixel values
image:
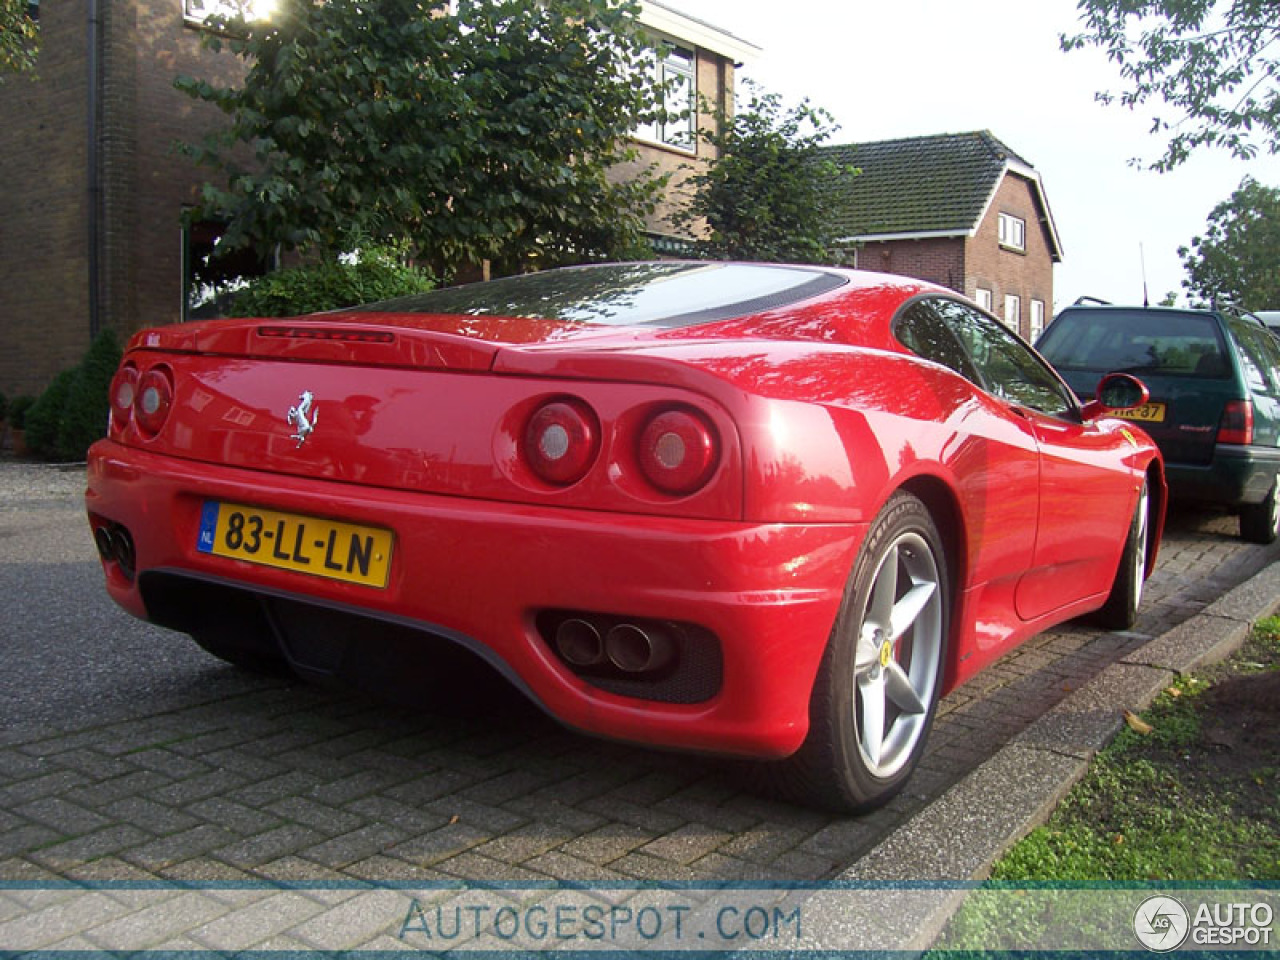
(982, 297)
(1037, 319)
(677, 71)
(1013, 312)
(1012, 232)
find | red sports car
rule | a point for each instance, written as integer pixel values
(770, 511)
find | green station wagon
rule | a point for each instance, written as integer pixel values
(1214, 408)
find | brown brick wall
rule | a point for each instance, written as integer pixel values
(44, 321)
(44, 273)
(939, 260)
(1026, 275)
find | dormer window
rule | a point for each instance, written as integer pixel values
(1013, 232)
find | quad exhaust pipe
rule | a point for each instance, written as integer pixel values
(115, 545)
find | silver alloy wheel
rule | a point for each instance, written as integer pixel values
(1140, 548)
(896, 662)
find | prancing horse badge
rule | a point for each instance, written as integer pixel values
(303, 416)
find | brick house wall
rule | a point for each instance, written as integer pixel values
(714, 80)
(939, 260)
(965, 264)
(43, 230)
(144, 184)
(1026, 274)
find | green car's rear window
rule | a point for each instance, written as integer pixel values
(1166, 342)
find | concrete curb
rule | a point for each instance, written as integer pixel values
(962, 833)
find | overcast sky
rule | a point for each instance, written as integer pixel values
(914, 67)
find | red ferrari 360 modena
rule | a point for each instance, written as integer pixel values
(770, 511)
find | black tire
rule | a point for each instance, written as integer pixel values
(901, 573)
(253, 658)
(1260, 522)
(1121, 609)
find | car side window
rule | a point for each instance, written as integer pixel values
(1259, 357)
(1007, 366)
(923, 332)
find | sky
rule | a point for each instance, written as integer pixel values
(907, 68)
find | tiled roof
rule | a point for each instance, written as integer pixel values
(918, 185)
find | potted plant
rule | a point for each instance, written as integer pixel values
(18, 422)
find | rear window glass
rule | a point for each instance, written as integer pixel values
(1160, 342)
(668, 294)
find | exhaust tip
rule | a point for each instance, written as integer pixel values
(123, 551)
(102, 540)
(633, 649)
(579, 643)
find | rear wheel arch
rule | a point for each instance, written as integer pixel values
(944, 506)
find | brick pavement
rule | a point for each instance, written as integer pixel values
(291, 782)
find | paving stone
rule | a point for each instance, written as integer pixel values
(233, 816)
(357, 845)
(384, 869)
(688, 843)
(216, 783)
(62, 815)
(474, 867)
(383, 809)
(440, 844)
(319, 816)
(27, 838)
(524, 843)
(607, 843)
(263, 847)
(178, 847)
(91, 846)
(571, 869)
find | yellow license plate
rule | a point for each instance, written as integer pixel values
(1148, 412)
(290, 541)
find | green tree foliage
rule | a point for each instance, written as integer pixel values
(1213, 63)
(481, 131)
(19, 37)
(1237, 260)
(762, 198)
(72, 412)
(375, 274)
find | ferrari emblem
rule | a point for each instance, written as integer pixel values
(886, 653)
(303, 416)
(1129, 436)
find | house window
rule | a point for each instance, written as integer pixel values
(1013, 312)
(1037, 319)
(983, 297)
(1013, 232)
(198, 11)
(675, 71)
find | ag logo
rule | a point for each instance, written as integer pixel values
(1161, 924)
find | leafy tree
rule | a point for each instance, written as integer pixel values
(481, 130)
(1213, 63)
(19, 38)
(1238, 258)
(762, 198)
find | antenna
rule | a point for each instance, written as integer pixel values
(1142, 257)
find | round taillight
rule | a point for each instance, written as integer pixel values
(678, 451)
(124, 388)
(153, 398)
(561, 441)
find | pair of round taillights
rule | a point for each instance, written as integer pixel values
(146, 398)
(676, 448)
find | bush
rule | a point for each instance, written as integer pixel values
(45, 415)
(84, 418)
(18, 411)
(379, 274)
(72, 412)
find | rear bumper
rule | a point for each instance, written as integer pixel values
(479, 572)
(1237, 475)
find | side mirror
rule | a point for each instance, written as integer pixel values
(1116, 391)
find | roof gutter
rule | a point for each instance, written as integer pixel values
(918, 235)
